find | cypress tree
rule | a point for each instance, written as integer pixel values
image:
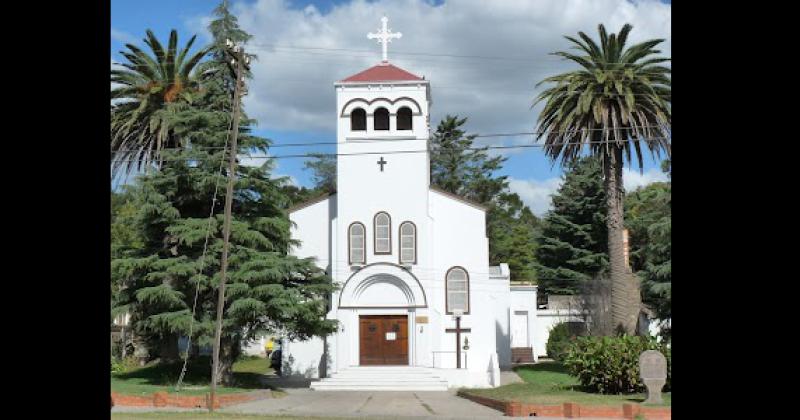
(573, 248)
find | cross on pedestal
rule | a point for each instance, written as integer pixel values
(382, 162)
(458, 330)
(384, 37)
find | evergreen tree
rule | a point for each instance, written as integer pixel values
(323, 167)
(124, 237)
(297, 195)
(267, 290)
(572, 247)
(648, 215)
(459, 168)
(462, 169)
(513, 229)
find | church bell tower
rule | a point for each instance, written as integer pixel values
(382, 133)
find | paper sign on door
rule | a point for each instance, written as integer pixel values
(391, 336)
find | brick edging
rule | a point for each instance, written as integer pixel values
(571, 410)
(163, 399)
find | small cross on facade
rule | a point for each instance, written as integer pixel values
(381, 162)
(384, 37)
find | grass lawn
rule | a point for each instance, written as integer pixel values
(549, 383)
(163, 377)
(197, 415)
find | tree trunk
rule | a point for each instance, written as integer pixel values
(621, 278)
(124, 343)
(229, 351)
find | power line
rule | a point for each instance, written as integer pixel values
(371, 53)
(490, 135)
(359, 53)
(393, 152)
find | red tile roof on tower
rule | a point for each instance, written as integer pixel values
(382, 73)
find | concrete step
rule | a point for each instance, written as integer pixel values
(382, 378)
(381, 374)
(387, 367)
(322, 386)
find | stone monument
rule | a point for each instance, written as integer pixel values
(653, 371)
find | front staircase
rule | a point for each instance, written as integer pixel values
(522, 355)
(382, 378)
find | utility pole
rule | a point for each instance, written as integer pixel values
(240, 62)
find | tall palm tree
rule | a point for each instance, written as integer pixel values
(150, 91)
(616, 104)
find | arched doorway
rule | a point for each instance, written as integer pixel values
(382, 298)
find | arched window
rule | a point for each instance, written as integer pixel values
(381, 117)
(356, 237)
(404, 118)
(408, 243)
(358, 120)
(457, 290)
(383, 233)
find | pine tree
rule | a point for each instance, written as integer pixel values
(459, 168)
(648, 216)
(323, 168)
(513, 229)
(572, 247)
(267, 290)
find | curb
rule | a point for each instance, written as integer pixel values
(163, 399)
(571, 410)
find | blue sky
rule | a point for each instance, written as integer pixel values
(292, 91)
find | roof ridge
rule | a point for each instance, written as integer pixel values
(473, 203)
(383, 72)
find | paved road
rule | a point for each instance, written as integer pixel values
(375, 405)
(393, 404)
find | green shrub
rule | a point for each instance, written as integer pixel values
(610, 365)
(560, 338)
(127, 364)
(116, 365)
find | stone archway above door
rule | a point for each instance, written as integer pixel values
(382, 285)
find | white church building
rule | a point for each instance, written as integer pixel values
(411, 261)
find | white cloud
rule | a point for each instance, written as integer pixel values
(123, 37)
(289, 179)
(252, 160)
(293, 89)
(536, 194)
(632, 179)
(257, 160)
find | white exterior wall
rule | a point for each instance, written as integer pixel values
(523, 299)
(546, 319)
(363, 190)
(502, 303)
(460, 240)
(312, 227)
(255, 347)
(450, 232)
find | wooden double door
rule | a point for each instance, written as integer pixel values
(383, 339)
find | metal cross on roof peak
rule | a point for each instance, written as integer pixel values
(384, 37)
